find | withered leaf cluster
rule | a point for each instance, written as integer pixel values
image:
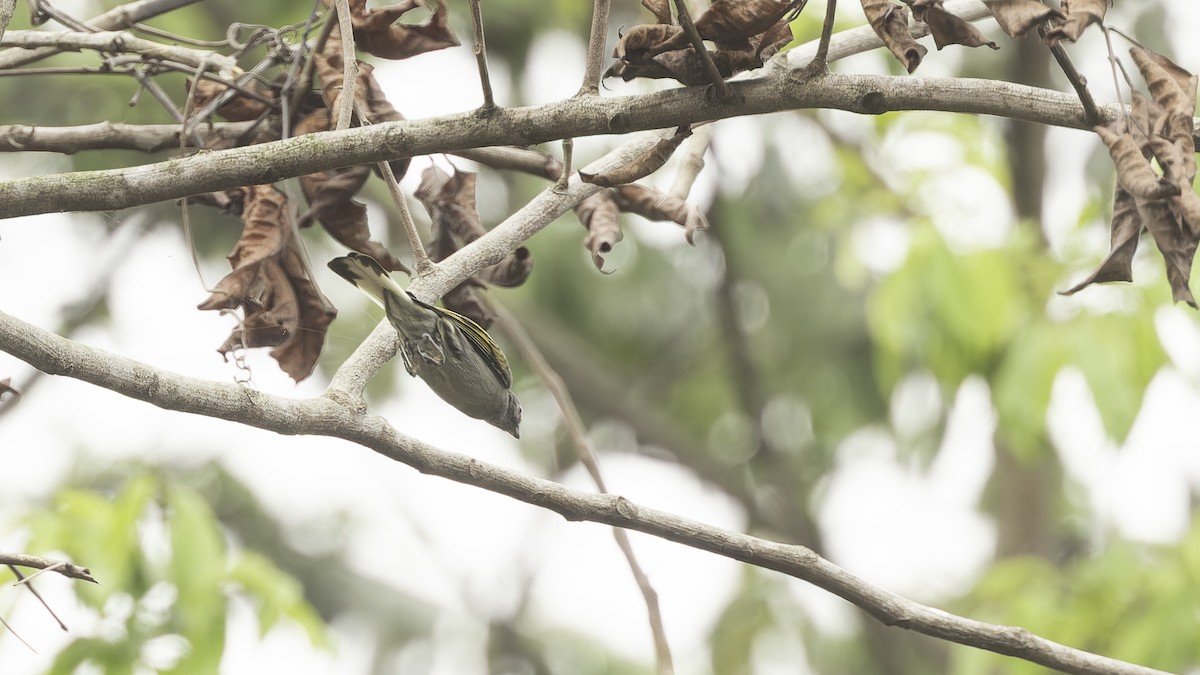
(600, 214)
(746, 33)
(281, 305)
(1158, 129)
(455, 222)
(891, 23)
(1018, 17)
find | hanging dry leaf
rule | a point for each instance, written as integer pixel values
(368, 94)
(1080, 15)
(731, 23)
(1133, 171)
(654, 205)
(641, 166)
(1125, 228)
(240, 108)
(377, 33)
(451, 203)
(640, 43)
(775, 38)
(1017, 17)
(282, 306)
(947, 28)
(600, 215)
(890, 23)
(1177, 249)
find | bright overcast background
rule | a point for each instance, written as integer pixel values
(467, 549)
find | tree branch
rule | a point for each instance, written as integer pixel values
(117, 42)
(269, 162)
(117, 17)
(326, 417)
(67, 569)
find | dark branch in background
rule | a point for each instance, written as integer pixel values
(116, 18)
(325, 416)
(597, 41)
(583, 447)
(479, 46)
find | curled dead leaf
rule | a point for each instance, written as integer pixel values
(640, 43)
(1125, 228)
(731, 23)
(1133, 171)
(1079, 15)
(240, 108)
(947, 28)
(890, 23)
(600, 215)
(377, 33)
(1017, 17)
(281, 305)
(641, 166)
(1176, 247)
(654, 205)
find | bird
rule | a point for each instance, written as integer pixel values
(455, 356)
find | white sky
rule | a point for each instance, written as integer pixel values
(921, 533)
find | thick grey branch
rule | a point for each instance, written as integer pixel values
(117, 42)
(7, 7)
(325, 416)
(581, 116)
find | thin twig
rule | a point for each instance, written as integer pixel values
(345, 109)
(821, 60)
(421, 263)
(480, 49)
(65, 568)
(568, 146)
(685, 21)
(1115, 63)
(1077, 79)
(16, 635)
(597, 40)
(303, 81)
(583, 446)
(116, 42)
(27, 581)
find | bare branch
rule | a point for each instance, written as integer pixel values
(118, 42)
(325, 416)
(121, 16)
(7, 7)
(480, 48)
(714, 75)
(575, 117)
(345, 111)
(67, 569)
(597, 41)
(28, 583)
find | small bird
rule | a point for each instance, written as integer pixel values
(454, 355)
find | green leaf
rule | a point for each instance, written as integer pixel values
(277, 594)
(197, 568)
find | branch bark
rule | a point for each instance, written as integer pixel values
(326, 416)
(117, 42)
(63, 567)
(590, 116)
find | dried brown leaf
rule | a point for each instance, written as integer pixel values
(1125, 228)
(282, 307)
(947, 28)
(451, 203)
(240, 108)
(1133, 171)
(1080, 15)
(641, 166)
(654, 205)
(377, 33)
(774, 39)
(1176, 247)
(640, 43)
(600, 215)
(1017, 17)
(1170, 86)
(890, 23)
(731, 23)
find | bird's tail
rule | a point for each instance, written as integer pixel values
(369, 276)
